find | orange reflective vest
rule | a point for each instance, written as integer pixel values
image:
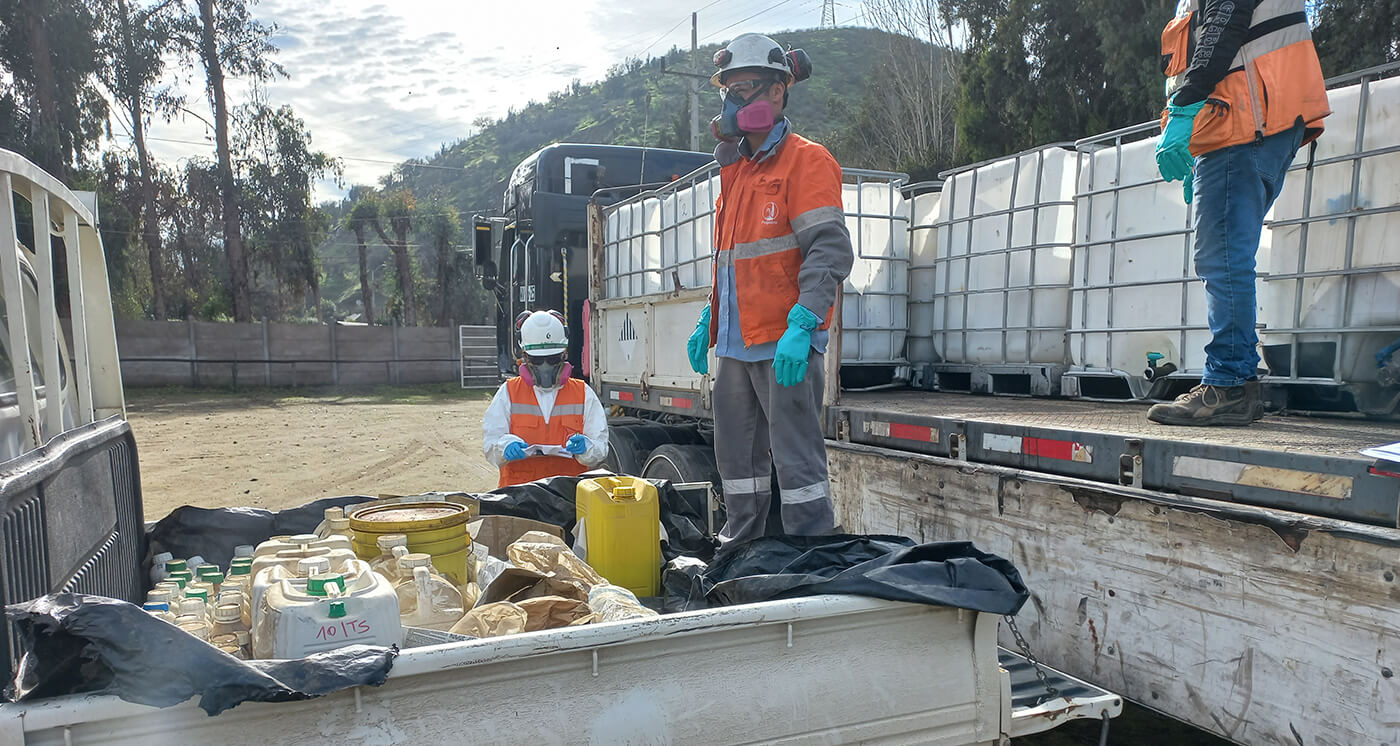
(1274, 81)
(761, 206)
(527, 422)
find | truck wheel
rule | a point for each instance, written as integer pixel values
(629, 445)
(687, 463)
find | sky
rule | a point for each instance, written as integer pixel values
(378, 82)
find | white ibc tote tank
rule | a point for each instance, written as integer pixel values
(1003, 260)
(1333, 294)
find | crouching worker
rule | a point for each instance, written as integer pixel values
(543, 423)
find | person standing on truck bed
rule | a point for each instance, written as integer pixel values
(782, 252)
(543, 422)
(1244, 92)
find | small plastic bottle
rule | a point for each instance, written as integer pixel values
(195, 602)
(173, 587)
(159, 610)
(331, 514)
(385, 564)
(193, 624)
(243, 550)
(215, 579)
(158, 569)
(228, 618)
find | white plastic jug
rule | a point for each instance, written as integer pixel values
(300, 541)
(427, 599)
(328, 515)
(288, 559)
(325, 612)
(303, 569)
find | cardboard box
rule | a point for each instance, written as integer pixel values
(500, 531)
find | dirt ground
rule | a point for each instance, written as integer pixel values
(282, 447)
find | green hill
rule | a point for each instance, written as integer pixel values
(636, 104)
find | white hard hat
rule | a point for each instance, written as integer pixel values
(542, 334)
(751, 52)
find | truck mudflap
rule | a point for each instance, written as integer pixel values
(1035, 710)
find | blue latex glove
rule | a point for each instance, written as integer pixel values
(577, 444)
(1174, 159)
(515, 451)
(790, 361)
(698, 348)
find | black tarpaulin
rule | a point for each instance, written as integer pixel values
(79, 644)
(212, 533)
(949, 573)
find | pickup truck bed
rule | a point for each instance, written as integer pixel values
(826, 669)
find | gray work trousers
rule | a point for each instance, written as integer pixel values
(760, 425)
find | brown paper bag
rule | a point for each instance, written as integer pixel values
(548, 555)
(551, 612)
(492, 620)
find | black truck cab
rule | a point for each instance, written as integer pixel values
(534, 256)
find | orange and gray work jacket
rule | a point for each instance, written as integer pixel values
(1254, 65)
(528, 423)
(779, 224)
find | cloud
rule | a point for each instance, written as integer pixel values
(376, 81)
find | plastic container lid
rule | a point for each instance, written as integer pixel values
(316, 585)
(303, 538)
(416, 559)
(313, 566)
(156, 606)
(175, 565)
(387, 542)
(162, 558)
(158, 595)
(228, 613)
(625, 492)
(243, 550)
(214, 578)
(207, 570)
(192, 606)
(337, 610)
(236, 561)
(242, 637)
(332, 514)
(199, 593)
(338, 524)
(241, 570)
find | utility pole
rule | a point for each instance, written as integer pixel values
(828, 13)
(695, 77)
(694, 84)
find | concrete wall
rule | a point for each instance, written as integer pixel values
(201, 353)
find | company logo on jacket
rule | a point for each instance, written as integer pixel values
(770, 214)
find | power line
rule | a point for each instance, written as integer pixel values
(746, 20)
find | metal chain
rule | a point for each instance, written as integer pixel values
(1050, 691)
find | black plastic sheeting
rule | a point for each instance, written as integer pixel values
(79, 643)
(948, 573)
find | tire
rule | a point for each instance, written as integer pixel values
(687, 463)
(631, 444)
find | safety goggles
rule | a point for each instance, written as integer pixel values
(743, 88)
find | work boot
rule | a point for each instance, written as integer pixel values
(1212, 405)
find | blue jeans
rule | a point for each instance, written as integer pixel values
(1234, 188)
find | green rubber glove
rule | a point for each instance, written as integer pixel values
(698, 348)
(790, 361)
(1174, 160)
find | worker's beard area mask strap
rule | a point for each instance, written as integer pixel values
(546, 372)
(740, 117)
